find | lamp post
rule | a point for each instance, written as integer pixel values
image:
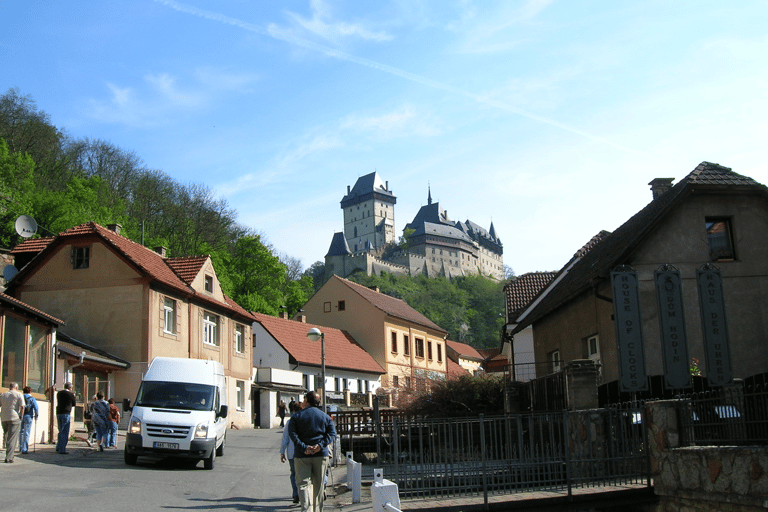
(314, 334)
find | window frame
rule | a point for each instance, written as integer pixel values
(341, 305)
(208, 283)
(171, 310)
(726, 239)
(419, 347)
(555, 363)
(239, 339)
(406, 345)
(81, 257)
(393, 341)
(211, 329)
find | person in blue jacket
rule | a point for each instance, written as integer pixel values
(30, 412)
(311, 431)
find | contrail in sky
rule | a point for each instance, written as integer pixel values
(332, 52)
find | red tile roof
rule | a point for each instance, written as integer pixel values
(489, 353)
(32, 245)
(464, 350)
(523, 289)
(145, 260)
(14, 302)
(187, 267)
(455, 370)
(341, 349)
(390, 305)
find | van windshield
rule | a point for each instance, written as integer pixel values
(176, 395)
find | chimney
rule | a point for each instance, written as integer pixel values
(161, 250)
(283, 315)
(374, 288)
(660, 185)
(303, 319)
(114, 227)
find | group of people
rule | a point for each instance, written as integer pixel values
(17, 412)
(306, 438)
(100, 416)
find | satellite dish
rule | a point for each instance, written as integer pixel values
(9, 272)
(26, 226)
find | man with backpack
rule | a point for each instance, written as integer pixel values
(30, 413)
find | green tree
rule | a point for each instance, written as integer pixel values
(16, 188)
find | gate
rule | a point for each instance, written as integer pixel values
(556, 451)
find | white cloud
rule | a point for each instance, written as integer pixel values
(399, 123)
(322, 25)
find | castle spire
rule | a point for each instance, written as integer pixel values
(429, 194)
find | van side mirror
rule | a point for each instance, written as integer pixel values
(126, 404)
(223, 410)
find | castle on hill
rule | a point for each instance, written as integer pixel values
(437, 246)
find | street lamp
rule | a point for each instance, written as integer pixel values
(315, 334)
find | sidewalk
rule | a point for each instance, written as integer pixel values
(76, 447)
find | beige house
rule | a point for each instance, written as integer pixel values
(465, 356)
(135, 304)
(405, 343)
(713, 215)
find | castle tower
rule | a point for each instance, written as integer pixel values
(369, 214)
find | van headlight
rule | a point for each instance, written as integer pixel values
(135, 426)
(201, 431)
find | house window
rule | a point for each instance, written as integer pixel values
(209, 284)
(406, 345)
(439, 353)
(429, 349)
(419, 347)
(554, 361)
(80, 257)
(318, 383)
(593, 348)
(344, 385)
(210, 329)
(37, 356)
(305, 381)
(239, 339)
(342, 305)
(326, 307)
(169, 316)
(367, 386)
(359, 385)
(408, 382)
(394, 381)
(394, 342)
(240, 387)
(336, 386)
(13, 351)
(719, 236)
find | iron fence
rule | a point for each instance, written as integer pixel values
(729, 416)
(515, 453)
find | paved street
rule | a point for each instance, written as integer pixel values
(248, 477)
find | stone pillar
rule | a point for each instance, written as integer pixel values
(369, 398)
(512, 392)
(581, 384)
(347, 397)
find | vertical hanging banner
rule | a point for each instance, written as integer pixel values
(717, 346)
(629, 335)
(674, 342)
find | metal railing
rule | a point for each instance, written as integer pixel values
(735, 416)
(508, 454)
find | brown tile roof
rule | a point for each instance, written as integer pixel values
(489, 353)
(341, 349)
(32, 245)
(16, 303)
(617, 247)
(520, 291)
(143, 259)
(187, 267)
(464, 350)
(390, 305)
(497, 364)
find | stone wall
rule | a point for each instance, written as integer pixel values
(703, 478)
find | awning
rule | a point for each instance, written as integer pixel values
(271, 386)
(93, 358)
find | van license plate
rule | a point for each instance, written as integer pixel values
(166, 446)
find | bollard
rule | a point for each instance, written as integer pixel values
(354, 477)
(384, 493)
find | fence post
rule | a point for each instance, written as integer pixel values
(566, 447)
(383, 492)
(354, 477)
(485, 468)
(377, 423)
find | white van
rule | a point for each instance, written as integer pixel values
(179, 411)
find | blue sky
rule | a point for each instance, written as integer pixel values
(548, 118)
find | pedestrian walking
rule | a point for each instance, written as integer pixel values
(281, 412)
(114, 421)
(311, 431)
(100, 420)
(30, 413)
(65, 401)
(11, 411)
(287, 451)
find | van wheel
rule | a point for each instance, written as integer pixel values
(130, 458)
(210, 461)
(220, 449)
